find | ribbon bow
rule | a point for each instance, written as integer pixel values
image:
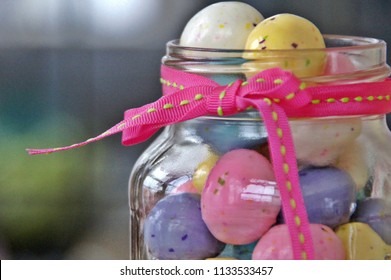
(277, 95)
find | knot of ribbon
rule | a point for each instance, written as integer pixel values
(278, 95)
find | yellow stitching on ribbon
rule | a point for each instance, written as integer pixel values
(301, 238)
(290, 96)
(286, 168)
(136, 116)
(278, 81)
(289, 185)
(279, 132)
(222, 95)
(260, 80)
(315, 101)
(330, 100)
(184, 102)
(345, 100)
(220, 111)
(268, 101)
(302, 86)
(244, 83)
(304, 255)
(293, 203)
(297, 221)
(198, 97)
(122, 125)
(151, 110)
(283, 150)
(358, 98)
(168, 106)
(275, 116)
(370, 98)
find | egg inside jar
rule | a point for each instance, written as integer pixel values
(206, 188)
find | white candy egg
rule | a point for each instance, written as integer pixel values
(223, 25)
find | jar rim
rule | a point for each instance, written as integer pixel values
(346, 43)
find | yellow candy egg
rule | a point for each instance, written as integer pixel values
(275, 35)
(202, 171)
(361, 242)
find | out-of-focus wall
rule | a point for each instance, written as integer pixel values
(68, 71)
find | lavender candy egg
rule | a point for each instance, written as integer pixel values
(329, 195)
(375, 212)
(174, 230)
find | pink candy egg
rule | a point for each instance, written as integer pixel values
(276, 244)
(187, 187)
(240, 201)
(338, 63)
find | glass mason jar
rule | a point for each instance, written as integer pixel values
(344, 167)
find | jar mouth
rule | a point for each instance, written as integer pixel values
(333, 42)
(345, 59)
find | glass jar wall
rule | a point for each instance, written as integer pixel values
(205, 188)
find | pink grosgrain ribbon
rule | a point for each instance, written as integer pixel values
(278, 95)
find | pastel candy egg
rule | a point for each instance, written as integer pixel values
(223, 25)
(353, 161)
(276, 244)
(240, 201)
(202, 171)
(286, 32)
(174, 229)
(187, 187)
(361, 242)
(338, 63)
(244, 252)
(321, 142)
(227, 136)
(329, 195)
(376, 212)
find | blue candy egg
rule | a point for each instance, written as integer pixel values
(174, 230)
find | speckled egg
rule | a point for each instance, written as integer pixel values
(321, 142)
(240, 200)
(329, 195)
(174, 230)
(353, 161)
(276, 244)
(286, 32)
(376, 212)
(187, 187)
(202, 171)
(361, 242)
(338, 63)
(223, 25)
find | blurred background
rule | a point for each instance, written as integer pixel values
(68, 71)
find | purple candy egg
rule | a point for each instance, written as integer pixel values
(375, 212)
(174, 230)
(329, 195)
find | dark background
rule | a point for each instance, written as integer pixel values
(68, 71)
